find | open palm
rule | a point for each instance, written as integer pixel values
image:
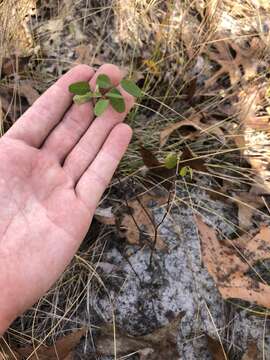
(55, 164)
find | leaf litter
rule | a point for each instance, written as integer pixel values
(62, 349)
(228, 262)
(137, 223)
(192, 128)
(158, 345)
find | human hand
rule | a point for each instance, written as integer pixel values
(55, 163)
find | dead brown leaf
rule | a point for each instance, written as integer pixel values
(216, 349)
(28, 91)
(189, 159)
(247, 204)
(252, 353)
(230, 65)
(58, 351)
(138, 222)
(159, 345)
(190, 129)
(159, 172)
(156, 170)
(149, 159)
(228, 264)
(14, 65)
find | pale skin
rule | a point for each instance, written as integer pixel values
(55, 163)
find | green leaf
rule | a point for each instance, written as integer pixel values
(186, 170)
(183, 171)
(118, 104)
(114, 93)
(131, 88)
(79, 88)
(170, 161)
(101, 106)
(104, 82)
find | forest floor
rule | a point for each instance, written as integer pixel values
(176, 263)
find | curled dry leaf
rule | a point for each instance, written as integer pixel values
(158, 345)
(138, 221)
(184, 128)
(228, 264)
(189, 129)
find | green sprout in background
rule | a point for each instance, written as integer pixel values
(105, 94)
(171, 161)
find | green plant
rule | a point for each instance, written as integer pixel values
(171, 161)
(105, 94)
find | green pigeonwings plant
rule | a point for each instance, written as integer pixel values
(105, 94)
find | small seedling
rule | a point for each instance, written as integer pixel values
(105, 94)
(185, 170)
(171, 161)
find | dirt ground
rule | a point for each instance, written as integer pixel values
(144, 265)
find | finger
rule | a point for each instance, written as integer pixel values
(96, 178)
(68, 132)
(76, 121)
(87, 148)
(37, 122)
(112, 71)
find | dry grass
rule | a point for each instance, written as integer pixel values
(166, 45)
(14, 36)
